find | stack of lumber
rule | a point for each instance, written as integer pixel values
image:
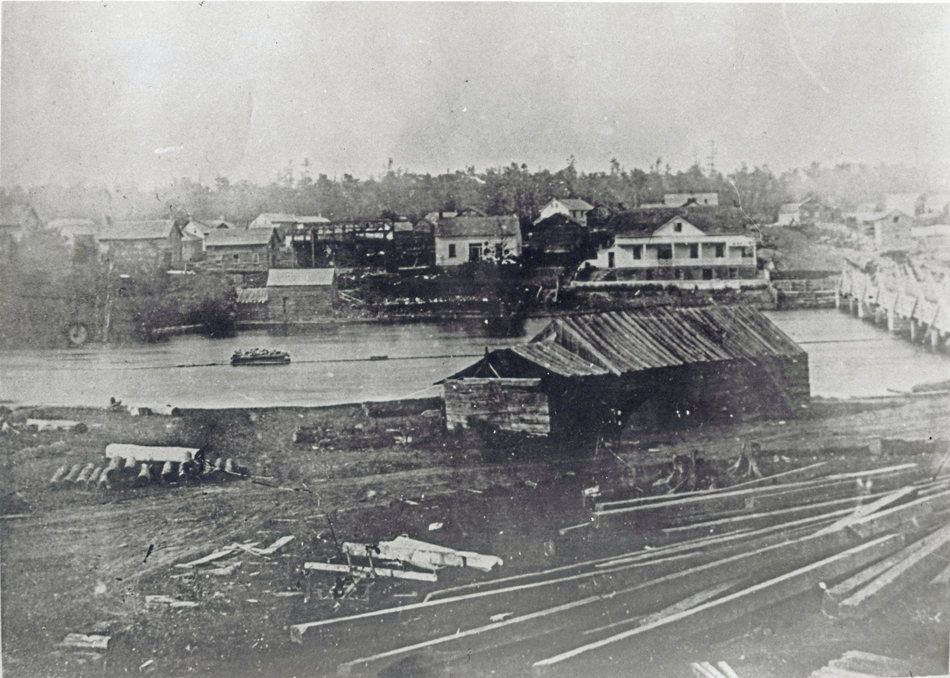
(873, 533)
(857, 664)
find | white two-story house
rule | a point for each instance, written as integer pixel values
(569, 207)
(678, 250)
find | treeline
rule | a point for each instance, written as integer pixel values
(514, 189)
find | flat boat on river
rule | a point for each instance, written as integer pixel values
(260, 356)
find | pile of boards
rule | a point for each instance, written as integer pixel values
(140, 465)
(719, 555)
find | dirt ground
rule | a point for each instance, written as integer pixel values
(82, 560)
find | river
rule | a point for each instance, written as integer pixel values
(847, 357)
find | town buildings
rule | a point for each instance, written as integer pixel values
(464, 239)
(300, 294)
(586, 376)
(241, 250)
(142, 245)
(663, 245)
(570, 207)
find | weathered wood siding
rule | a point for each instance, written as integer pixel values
(517, 405)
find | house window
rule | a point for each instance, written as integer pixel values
(664, 252)
(474, 252)
(707, 274)
(638, 251)
(237, 257)
(720, 251)
(733, 273)
(678, 227)
(746, 251)
(451, 251)
(256, 258)
(694, 251)
(610, 260)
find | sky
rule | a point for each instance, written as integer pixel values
(145, 92)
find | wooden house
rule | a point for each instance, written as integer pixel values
(659, 244)
(138, 245)
(463, 239)
(300, 293)
(572, 208)
(586, 376)
(556, 240)
(240, 250)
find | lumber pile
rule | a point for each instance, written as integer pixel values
(141, 465)
(862, 538)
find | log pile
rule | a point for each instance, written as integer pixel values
(862, 537)
(131, 472)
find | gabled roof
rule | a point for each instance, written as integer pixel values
(311, 220)
(495, 227)
(574, 204)
(433, 217)
(555, 220)
(231, 237)
(137, 230)
(300, 277)
(276, 217)
(624, 342)
(642, 222)
(73, 228)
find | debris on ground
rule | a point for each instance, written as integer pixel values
(856, 664)
(88, 642)
(423, 554)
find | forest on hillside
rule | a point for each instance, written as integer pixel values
(513, 189)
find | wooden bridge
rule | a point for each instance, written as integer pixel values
(911, 303)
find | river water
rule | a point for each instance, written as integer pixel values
(847, 357)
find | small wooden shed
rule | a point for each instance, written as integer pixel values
(589, 374)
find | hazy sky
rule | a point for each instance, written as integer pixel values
(141, 91)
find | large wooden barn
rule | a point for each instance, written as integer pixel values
(585, 376)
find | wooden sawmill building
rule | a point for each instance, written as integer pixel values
(588, 376)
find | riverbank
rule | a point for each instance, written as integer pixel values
(81, 559)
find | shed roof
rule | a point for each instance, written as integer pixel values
(477, 226)
(623, 342)
(137, 230)
(230, 237)
(300, 277)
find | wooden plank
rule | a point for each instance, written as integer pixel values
(656, 590)
(378, 571)
(685, 604)
(843, 589)
(942, 581)
(897, 578)
(741, 603)
(733, 547)
(217, 555)
(875, 664)
(906, 516)
(819, 510)
(890, 499)
(764, 481)
(347, 668)
(751, 492)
